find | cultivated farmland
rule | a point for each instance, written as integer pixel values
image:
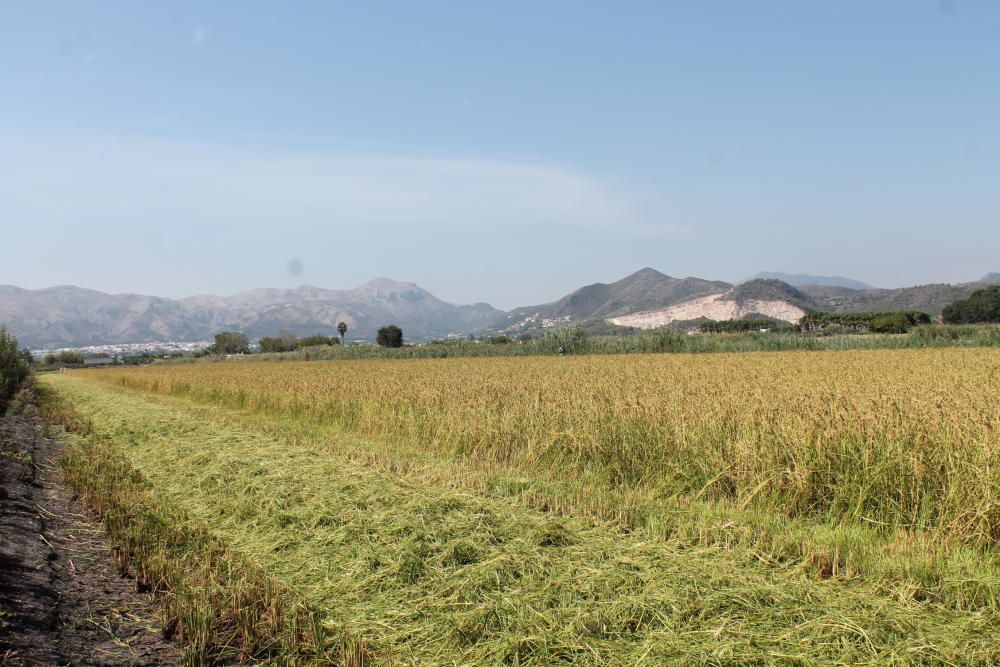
(720, 508)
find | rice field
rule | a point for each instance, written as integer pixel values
(768, 508)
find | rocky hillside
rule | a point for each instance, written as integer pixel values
(643, 290)
(771, 298)
(72, 316)
(649, 299)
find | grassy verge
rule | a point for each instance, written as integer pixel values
(426, 573)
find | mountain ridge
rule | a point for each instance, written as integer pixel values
(71, 316)
(796, 279)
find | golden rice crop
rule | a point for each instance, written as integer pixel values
(273, 535)
(900, 440)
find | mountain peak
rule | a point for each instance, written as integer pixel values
(388, 284)
(769, 289)
(646, 273)
(991, 278)
(796, 279)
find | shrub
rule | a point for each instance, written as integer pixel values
(858, 321)
(230, 342)
(735, 326)
(66, 357)
(13, 367)
(895, 323)
(283, 342)
(315, 341)
(390, 336)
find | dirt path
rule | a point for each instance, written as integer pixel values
(62, 599)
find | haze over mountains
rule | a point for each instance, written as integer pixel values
(69, 316)
(73, 316)
(809, 279)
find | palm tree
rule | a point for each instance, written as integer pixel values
(342, 329)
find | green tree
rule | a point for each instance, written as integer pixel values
(342, 329)
(313, 341)
(70, 357)
(283, 342)
(13, 368)
(895, 323)
(981, 306)
(390, 336)
(231, 342)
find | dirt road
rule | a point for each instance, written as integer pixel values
(62, 599)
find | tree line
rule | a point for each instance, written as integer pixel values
(235, 342)
(982, 306)
(735, 326)
(876, 322)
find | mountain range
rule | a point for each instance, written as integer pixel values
(648, 299)
(795, 279)
(68, 316)
(72, 316)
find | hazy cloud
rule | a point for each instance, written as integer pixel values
(199, 36)
(222, 186)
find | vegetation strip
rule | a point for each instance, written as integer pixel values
(845, 471)
(905, 439)
(427, 574)
(63, 599)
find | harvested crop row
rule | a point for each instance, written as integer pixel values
(430, 575)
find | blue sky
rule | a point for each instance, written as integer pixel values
(505, 152)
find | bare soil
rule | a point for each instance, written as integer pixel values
(63, 600)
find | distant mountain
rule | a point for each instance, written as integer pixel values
(991, 279)
(643, 290)
(930, 299)
(649, 299)
(72, 316)
(770, 289)
(797, 279)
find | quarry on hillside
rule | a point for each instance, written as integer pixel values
(714, 307)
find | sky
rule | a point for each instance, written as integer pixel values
(506, 152)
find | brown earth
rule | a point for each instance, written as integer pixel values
(63, 601)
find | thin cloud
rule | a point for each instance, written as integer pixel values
(222, 186)
(199, 36)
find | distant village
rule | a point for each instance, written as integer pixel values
(98, 354)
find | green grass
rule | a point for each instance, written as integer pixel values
(400, 561)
